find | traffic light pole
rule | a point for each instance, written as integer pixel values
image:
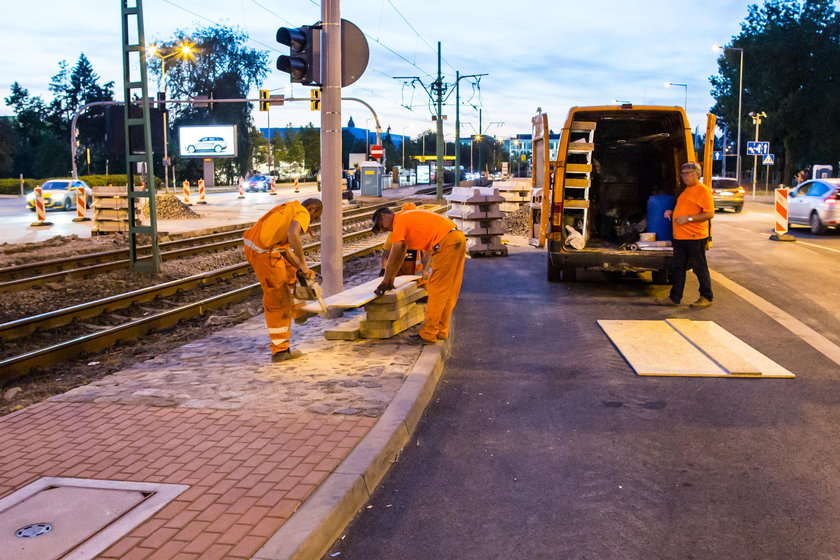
(332, 265)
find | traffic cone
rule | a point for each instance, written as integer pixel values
(81, 206)
(241, 188)
(273, 192)
(201, 199)
(186, 185)
(40, 209)
(297, 189)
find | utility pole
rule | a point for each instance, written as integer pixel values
(332, 266)
(438, 89)
(458, 78)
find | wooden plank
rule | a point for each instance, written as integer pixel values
(387, 312)
(574, 203)
(374, 330)
(583, 126)
(580, 147)
(698, 333)
(768, 367)
(357, 295)
(578, 168)
(655, 348)
(409, 296)
(578, 183)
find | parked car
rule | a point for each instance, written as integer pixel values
(815, 204)
(258, 183)
(728, 193)
(60, 193)
(208, 144)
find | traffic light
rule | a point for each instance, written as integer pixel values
(304, 60)
(315, 99)
(264, 100)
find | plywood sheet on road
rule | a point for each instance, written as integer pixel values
(357, 295)
(677, 348)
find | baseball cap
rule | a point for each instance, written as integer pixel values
(377, 227)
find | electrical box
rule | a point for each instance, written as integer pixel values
(371, 178)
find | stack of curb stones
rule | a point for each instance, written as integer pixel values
(386, 316)
(516, 192)
(477, 212)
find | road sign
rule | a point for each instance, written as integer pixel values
(758, 148)
(376, 151)
(769, 159)
(717, 156)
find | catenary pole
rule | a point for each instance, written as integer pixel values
(331, 243)
(439, 139)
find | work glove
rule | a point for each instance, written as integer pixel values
(383, 287)
(381, 272)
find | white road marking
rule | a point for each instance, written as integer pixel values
(798, 242)
(820, 343)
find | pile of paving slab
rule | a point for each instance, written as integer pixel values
(477, 212)
(385, 316)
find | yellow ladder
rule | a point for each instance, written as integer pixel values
(578, 176)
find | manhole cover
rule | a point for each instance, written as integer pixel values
(34, 530)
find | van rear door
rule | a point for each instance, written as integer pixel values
(540, 180)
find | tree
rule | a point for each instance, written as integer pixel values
(792, 73)
(222, 66)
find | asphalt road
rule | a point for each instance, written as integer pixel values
(541, 442)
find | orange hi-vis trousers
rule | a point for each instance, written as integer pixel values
(277, 278)
(444, 285)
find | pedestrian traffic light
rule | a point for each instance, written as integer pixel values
(264, 100)
(304, 60)
(315, 99)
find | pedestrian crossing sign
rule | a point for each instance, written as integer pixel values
(768, 159)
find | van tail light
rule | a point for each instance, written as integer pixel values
(556, 217)
(741, 190)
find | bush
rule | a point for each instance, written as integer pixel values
(12, 186)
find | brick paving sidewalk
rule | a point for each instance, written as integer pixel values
(252, 439)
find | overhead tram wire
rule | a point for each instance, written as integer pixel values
(433, 49)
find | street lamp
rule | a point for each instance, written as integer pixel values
(756, 117)
(185, 51)
(517, 143)
(367, 137)
(402, 141)
(740, 95)
(669, 84)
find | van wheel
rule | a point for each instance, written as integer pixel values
(817, 227)
(561, 273)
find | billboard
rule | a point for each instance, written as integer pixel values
(423, 174)
(207, 141)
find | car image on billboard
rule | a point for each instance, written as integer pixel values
(207, 141)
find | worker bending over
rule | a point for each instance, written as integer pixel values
(429, 232)
(267, 248)
(413, 263)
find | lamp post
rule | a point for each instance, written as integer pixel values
(517, 143)
(685, 104)
(402, 141)
(756, 117)
(740, 98)
(367, 137)
(185, 51)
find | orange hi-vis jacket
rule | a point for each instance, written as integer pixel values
(420, 229)
(693, 200)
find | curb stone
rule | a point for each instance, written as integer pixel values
(313, 528)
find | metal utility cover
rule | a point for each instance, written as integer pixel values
(66, 518)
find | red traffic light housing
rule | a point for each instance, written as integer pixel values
(304, 60)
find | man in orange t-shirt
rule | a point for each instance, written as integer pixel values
(691, 220)
(436, 235)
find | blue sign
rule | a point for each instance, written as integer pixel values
(769, 159)
(717, 156)
(758, 148)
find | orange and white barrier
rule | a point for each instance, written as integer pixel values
(186, 185)
(81, 206)
(781, 210)
(297, 188)
(273, 192)
(40, 209)
(201, 198)
(241, 188)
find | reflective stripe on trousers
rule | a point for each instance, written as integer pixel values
(277, 278)
(444, 285)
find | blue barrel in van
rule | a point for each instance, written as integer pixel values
(656, 221)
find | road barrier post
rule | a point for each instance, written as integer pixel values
(40, 209)
(297, 188)
(241, 188)
(273, 192)
(201, 198)
(781, 217)
(81, 206)
(186, 185)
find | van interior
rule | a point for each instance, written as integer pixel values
(636, 154)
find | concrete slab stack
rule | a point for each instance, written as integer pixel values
(477, 212)
(516, 192)
(110, 210)
(386, 316)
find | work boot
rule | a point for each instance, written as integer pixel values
(305, 316)
(285, 355)
(702, 302)
(417, 340)
(666, 301)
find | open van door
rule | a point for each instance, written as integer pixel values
(540, 180)
(709, 149)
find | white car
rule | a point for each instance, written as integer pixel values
(60, 193)
(815, 204)
(208, 144)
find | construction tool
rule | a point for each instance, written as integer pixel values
(308, 289)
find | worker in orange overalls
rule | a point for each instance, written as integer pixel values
(428, 232)
(267, 248)
(413, 259)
